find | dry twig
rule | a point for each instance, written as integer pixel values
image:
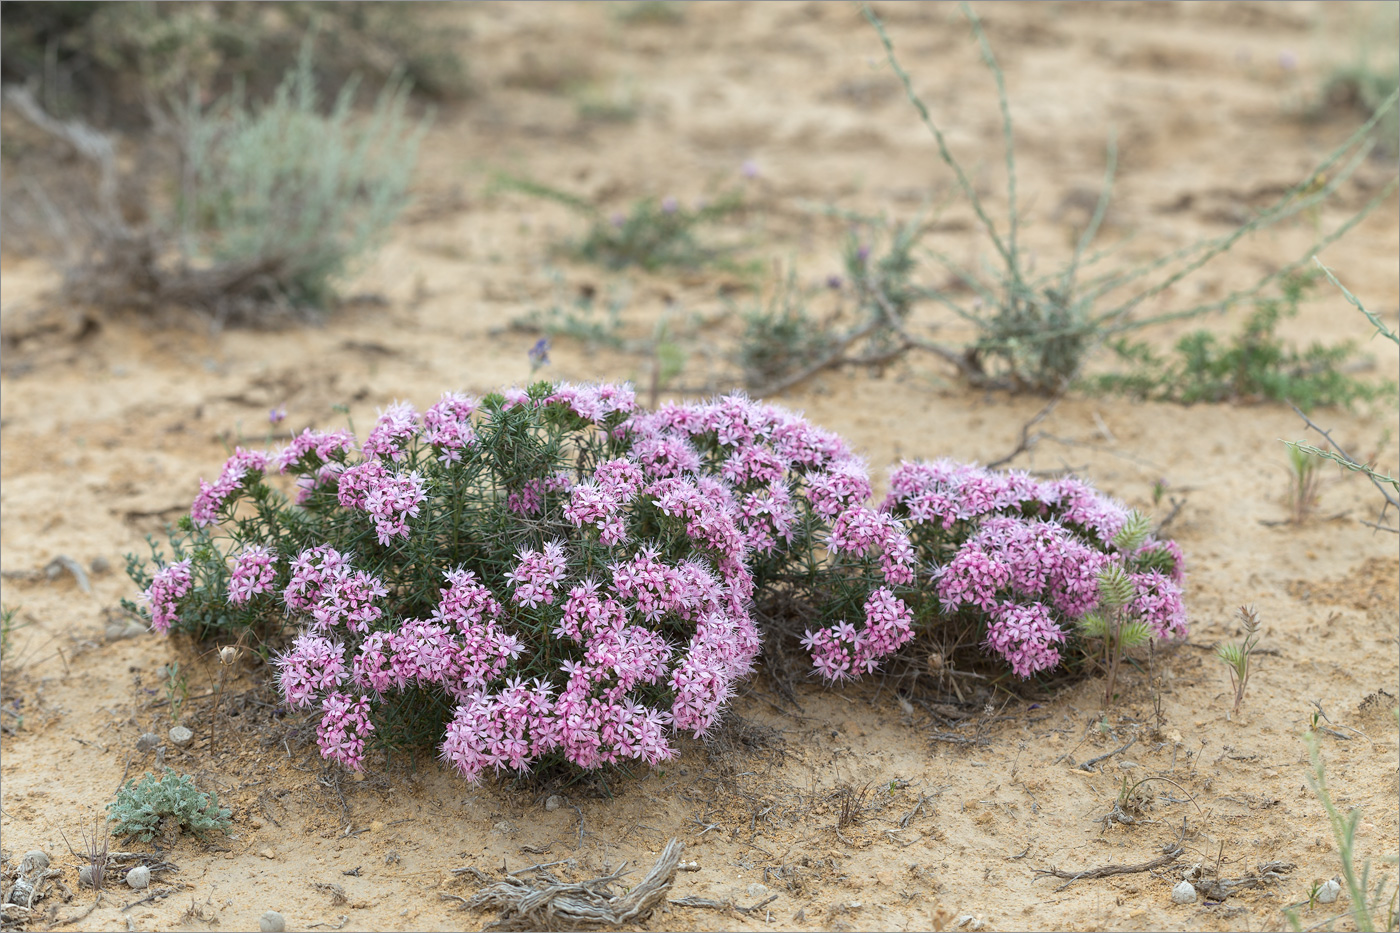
(565, 905)
(1171, 854)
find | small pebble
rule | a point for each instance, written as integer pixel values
(181, 735)
(504, 827)
(757, 890)
(147, 742)
(139, 878)
(267, 853)
(553, 803)
(1184, 893)
(272, 922)
(1329, 891)
(99, 566)
(34, 861)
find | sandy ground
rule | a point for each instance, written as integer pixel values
(108, 422)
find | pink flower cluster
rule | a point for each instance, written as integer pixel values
(327, 447)
(391, 498)
(538, 574)
(253, 573)
(324, 585)
(769, 457)
(594, 402)
(601, 500)
(313, 665)
(447, 426)
(1024, 559)
(618, 648)
(318, 458)
(211, 496)
(1158, 603)
(859, 530)
(169, 585)
(843, 652)
(345, 724)
(509, 729)
(396, 426)
(1023, 634)
(1032, 554)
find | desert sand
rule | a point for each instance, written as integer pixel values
(963, 795)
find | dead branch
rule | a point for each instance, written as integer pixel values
(1171, 855)
(564, 905)
(1089, 765)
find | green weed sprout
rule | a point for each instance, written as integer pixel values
(1116, 630)
(172, 802)
(177, 689)
(1304, 482)
(1034, 331)
(653, 234)
(782, 338)
(1237, 656)
(1366, 903)
(1254, 364)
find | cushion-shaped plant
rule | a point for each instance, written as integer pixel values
(161, 805)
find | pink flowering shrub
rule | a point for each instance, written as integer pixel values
(1017, 558)
(551, 574)
(493, 577)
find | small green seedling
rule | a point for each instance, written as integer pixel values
(1304, 484)
(1116, 630)
(177, 689)
(1237, 656)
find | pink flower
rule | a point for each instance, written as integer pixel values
(325, 447)
(1024, 635)
(594, 402)
(396, 425)
(343, 730)
(210, 500)
(253, 573)
(391, 498)
(312, 570)
(314, 664)
(842, 652)
(1158, 603)
(537, 574)
(169, 585)
(447, 425)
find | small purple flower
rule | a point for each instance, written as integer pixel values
(618, 220)
(539, 354)
(277, 415)
(749, 169)
(863, 254)
(833, 282)
(669, 205)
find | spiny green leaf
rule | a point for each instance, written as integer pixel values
(1133, 533)
(1133, 634)
(1093, 625)
(1115, 587)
